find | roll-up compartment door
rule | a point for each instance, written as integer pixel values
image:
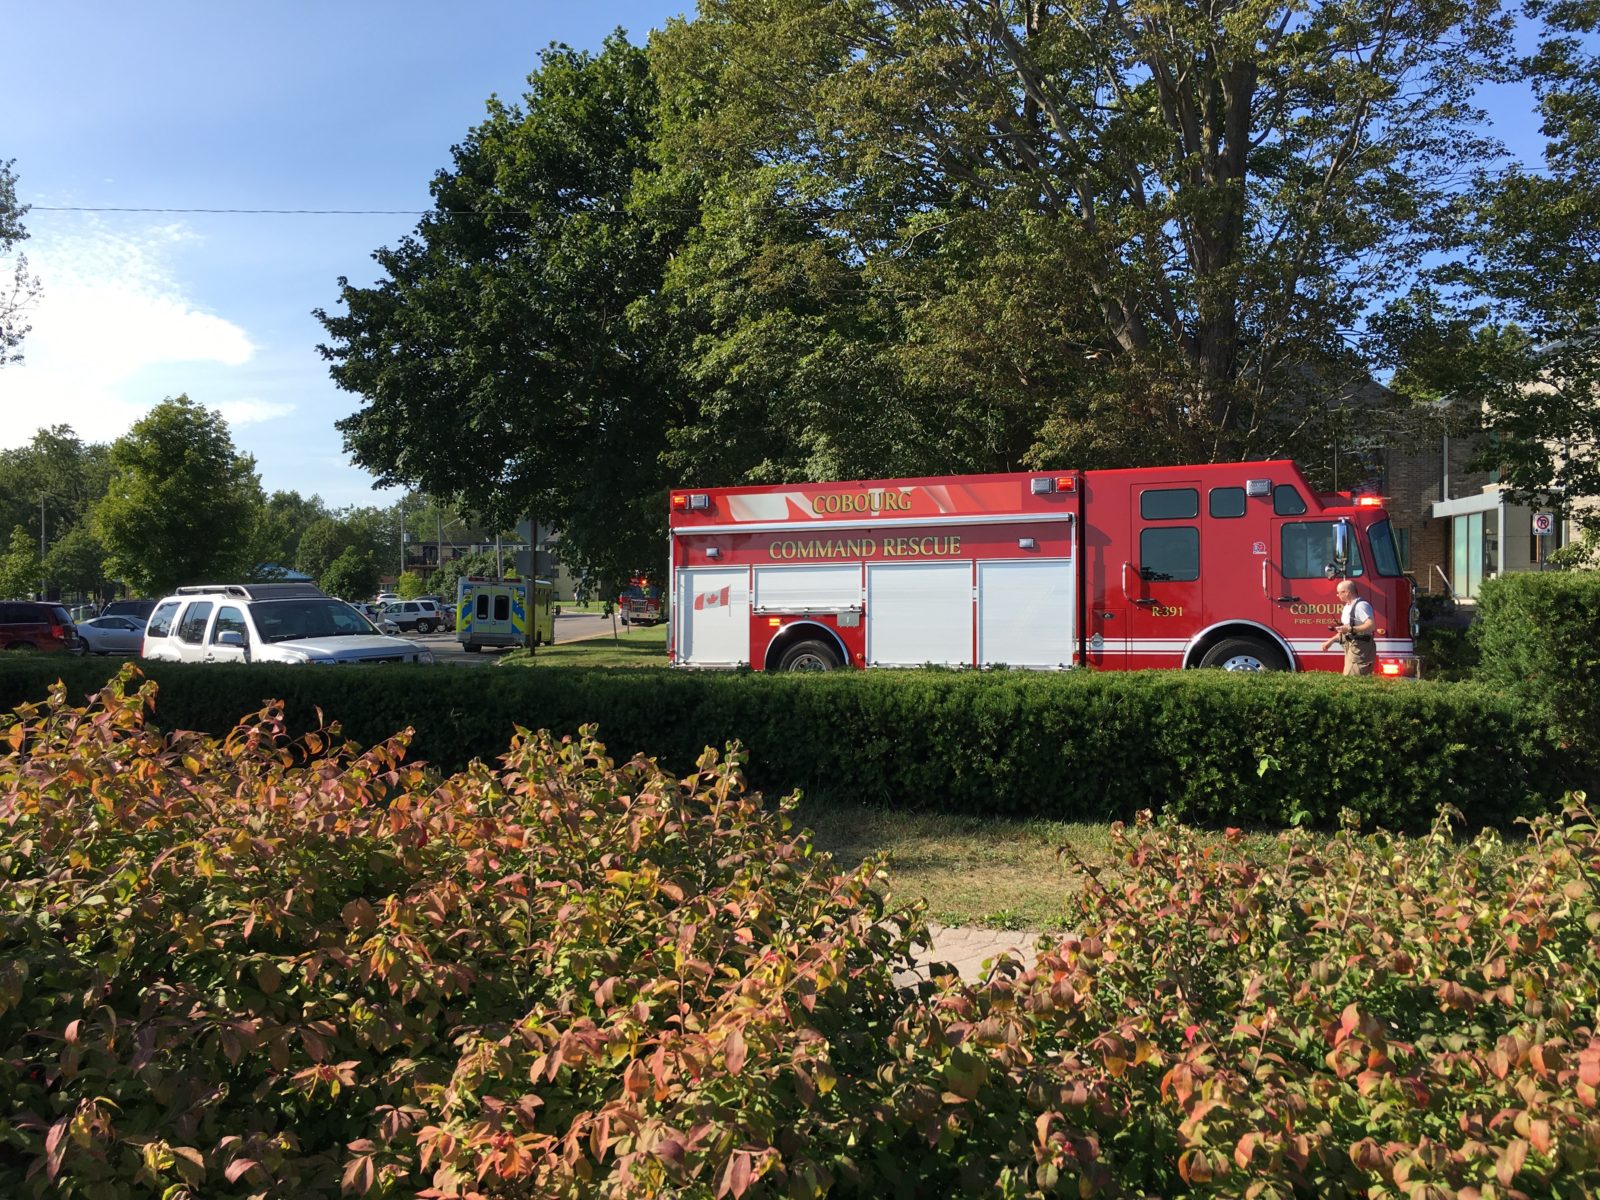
(1026, 613)
(713, 615)
(919, 613)
(831, 588)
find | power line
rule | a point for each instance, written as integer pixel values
(288, 212)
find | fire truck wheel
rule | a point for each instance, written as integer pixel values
(810, 656)
(1245, 654)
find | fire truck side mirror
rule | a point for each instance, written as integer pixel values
(1341, 545)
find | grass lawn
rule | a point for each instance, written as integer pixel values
(1002, 874)
(644, 646)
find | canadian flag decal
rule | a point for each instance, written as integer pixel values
(712, 599)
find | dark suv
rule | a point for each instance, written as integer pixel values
(36, 625)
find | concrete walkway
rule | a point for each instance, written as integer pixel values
(968, 949)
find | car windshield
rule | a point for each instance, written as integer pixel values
(285, 620)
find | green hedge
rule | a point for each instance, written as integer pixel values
(1208, 746)
(1539, 637)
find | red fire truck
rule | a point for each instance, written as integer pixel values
(1227, 565)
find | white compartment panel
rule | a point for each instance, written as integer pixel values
(1026, 613)
(919, 613)
(808, 587)
(713, 614)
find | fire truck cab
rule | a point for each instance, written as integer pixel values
(1230, 565)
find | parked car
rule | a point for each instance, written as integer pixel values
(36, 625)
(139, 610)
(268, 622)
(110, 635)
(375, 614)
(423, 616)
(385, 597)
(446, 607)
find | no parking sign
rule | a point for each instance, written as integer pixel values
(1544, 524)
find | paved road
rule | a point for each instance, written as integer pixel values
(570, 627)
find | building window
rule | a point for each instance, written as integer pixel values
(1474, 552)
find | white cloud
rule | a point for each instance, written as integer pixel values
(253, 412)
(111, 310)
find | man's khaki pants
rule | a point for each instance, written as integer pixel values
(1360, 656)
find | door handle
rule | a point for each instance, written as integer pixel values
(1288, 599)
(1144, 601)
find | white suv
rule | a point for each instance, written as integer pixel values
(423, 616)
(268, 622)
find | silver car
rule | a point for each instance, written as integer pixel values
(110, 635)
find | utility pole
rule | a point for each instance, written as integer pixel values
(41, 547)
(402, 544)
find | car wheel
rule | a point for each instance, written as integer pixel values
(812, 655)
(1245, 654)
(424, 626)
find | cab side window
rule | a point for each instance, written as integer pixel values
(1162, 504)
(192, 628)
(160, 623)
(1307, 550)
(1169, 554)
(229, 620)
(1227, 502)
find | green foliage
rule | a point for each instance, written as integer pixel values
(76, 563)
(443, 581)
(284, 518)
(514, 302)
(1090, 233)
(410, 585)
(58, 473)
(1081, 746)
(353, 576)
(182, 504)
(19, 566)
(262, 967)
(1539, 636)
(1448, 652)
(22, 289)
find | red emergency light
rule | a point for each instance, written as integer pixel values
(1369, 501)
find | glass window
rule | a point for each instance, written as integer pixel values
(1402, 545)
(229, 620)
(1169, 555)
(160, 623)
(286, 620)
(1385, 557)
(1227, 502)
(483, 607)
(1307, 550)
(502, 608)
(1169, 504)
(1286, 501)
(192, 629)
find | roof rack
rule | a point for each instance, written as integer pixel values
(255, 591)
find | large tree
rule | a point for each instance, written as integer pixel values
(1130, 230)
(504, 357)
(1538, 261)
(182, 503)
(20, 289)
(56, 473)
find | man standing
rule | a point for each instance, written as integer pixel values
(1355, 630)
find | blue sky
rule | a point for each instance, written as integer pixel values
(286, 104)
(204, 105)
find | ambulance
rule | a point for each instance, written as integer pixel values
(504, 612)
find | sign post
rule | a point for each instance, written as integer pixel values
(1544, 527)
